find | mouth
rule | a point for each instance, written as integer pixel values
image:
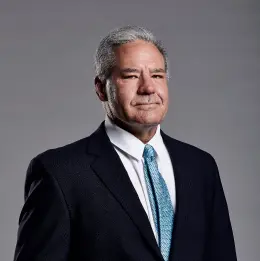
(146, 103)
(146, 106)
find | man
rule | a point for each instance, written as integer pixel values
(128, 191)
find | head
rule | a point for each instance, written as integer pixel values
(132, 76)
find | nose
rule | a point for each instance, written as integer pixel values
(146, 85)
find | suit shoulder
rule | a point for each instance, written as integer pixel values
(188, 150)
(64, 155)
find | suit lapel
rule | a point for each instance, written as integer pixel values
(183, 187)
(108, 166)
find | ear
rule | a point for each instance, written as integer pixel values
(100, 88)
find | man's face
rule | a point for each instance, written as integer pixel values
(137, 92)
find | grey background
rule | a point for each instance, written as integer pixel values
(47, 98)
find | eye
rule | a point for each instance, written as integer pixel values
(130, 76)
(157, 76)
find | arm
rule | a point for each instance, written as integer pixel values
(44, 224)
(221, 246)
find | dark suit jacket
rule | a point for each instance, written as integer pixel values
(81, 205)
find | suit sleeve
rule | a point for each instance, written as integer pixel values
(221, 245)
(44, 223)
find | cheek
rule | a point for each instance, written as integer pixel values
(163, 93)
(125, 96)
(166, 94)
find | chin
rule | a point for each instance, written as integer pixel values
(144, 117)
(149, 122)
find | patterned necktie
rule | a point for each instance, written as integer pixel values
(160, 201)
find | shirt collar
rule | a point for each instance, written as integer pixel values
(128, 143)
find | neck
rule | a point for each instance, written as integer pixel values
(143, 133)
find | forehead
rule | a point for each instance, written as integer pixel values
(138, 53)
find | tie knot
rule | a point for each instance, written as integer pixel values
(149, 152)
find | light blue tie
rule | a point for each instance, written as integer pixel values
(160, 201)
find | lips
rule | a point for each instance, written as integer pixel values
(145, 103)
(146, 106)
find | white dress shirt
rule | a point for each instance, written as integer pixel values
(130, 150)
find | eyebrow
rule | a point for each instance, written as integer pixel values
(157, 70)
(134, 70)
(129, 70)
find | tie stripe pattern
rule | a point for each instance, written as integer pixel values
(160, 201)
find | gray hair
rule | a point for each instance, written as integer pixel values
(105, 57)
